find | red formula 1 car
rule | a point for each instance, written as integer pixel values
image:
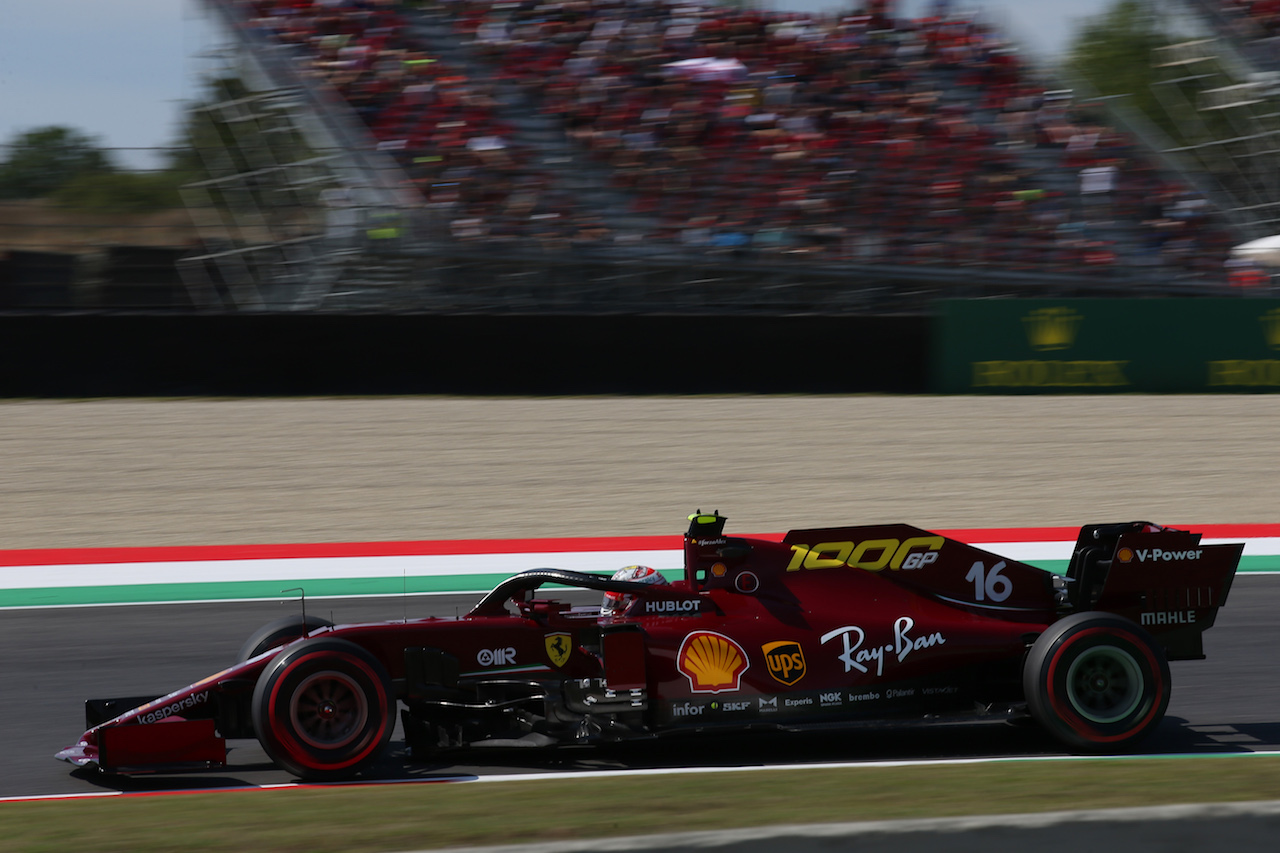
(834, 625)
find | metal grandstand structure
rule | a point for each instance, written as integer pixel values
(1224, 112)
(1228, 117)
(301, 211)
(295, 187)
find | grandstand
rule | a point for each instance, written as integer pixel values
(1220, 92)
(624, 156)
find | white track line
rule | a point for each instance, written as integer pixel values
(663, 771)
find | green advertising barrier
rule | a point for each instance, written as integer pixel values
(1014, 346)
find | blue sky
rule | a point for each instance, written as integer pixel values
(116, 69)
(121, 69)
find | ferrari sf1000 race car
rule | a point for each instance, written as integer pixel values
(828, 626)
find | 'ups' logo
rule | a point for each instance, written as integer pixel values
(558, 647)
(785, 660)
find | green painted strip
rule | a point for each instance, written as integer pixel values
(1259, 563)
(265, 590)
(347, 587)
(156, 593)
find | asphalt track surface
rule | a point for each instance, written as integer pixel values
(138, 473)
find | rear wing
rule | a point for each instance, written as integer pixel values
(1164, 579)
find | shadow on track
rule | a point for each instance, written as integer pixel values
(248, 766)
(1178, 736)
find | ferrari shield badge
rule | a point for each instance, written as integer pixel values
(558, 647)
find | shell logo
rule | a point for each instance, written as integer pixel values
(1124, 555)
(712, 662)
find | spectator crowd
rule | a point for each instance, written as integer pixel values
(859, 138)
(1253, 19)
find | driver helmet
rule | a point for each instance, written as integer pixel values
(616, 602)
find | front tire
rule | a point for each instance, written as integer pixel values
(275, 634)
(1097, 682)
(323, 709)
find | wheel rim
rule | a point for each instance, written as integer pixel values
(328, 710)
(1105, 684)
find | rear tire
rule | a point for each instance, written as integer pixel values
(1097, 682)
(323, 709)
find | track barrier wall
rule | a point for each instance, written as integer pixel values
(1111, 345)
(78, 355)
(1001, 346)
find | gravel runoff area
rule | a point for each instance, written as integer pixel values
(121, 473)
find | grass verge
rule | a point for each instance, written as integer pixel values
(417, 817)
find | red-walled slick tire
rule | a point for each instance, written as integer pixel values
(1097, 682)
(323, 709)
(275, 634)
